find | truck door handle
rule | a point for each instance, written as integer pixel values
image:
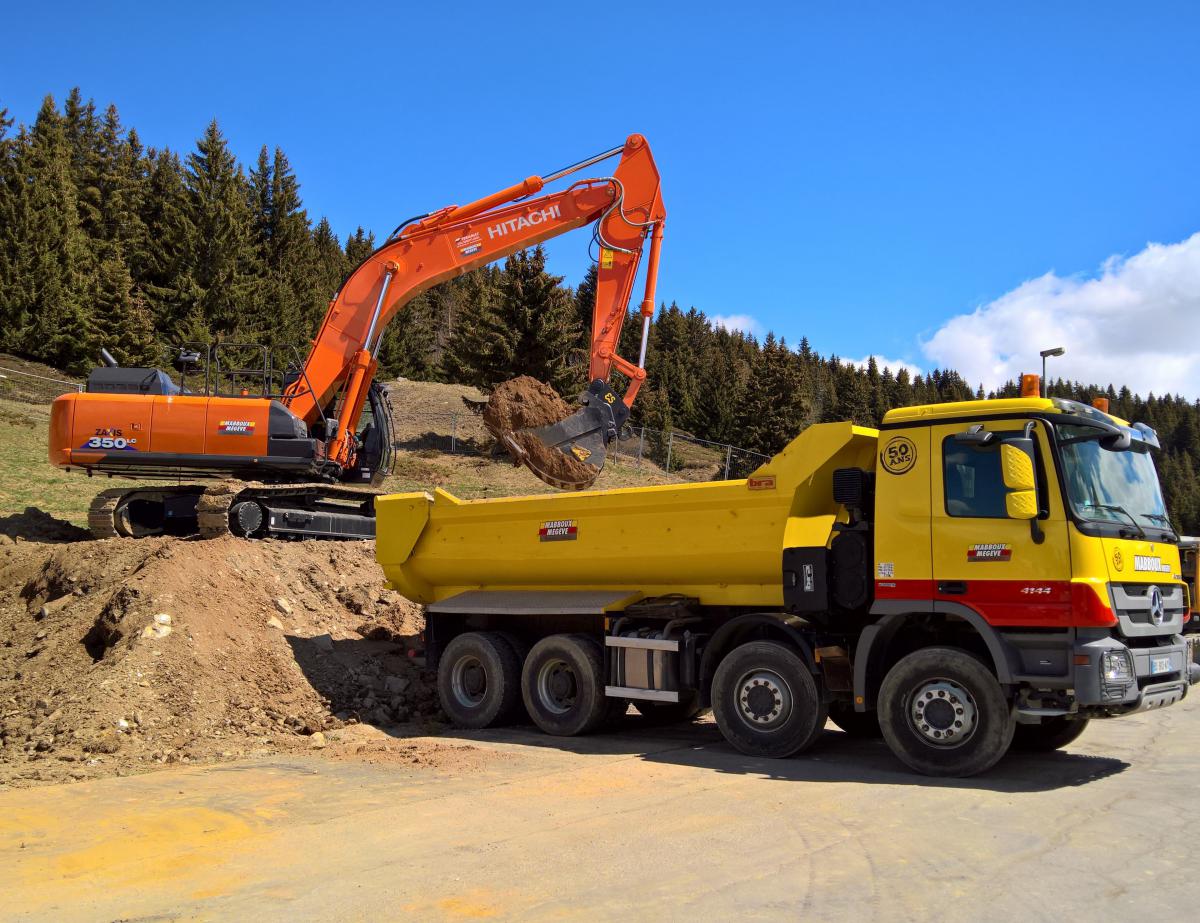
(952, 587)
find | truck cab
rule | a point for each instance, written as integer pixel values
(1047, 532)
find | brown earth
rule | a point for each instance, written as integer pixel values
(525, 403)
(122, 655)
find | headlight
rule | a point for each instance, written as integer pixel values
(1117, 666)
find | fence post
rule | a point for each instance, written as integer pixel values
(453, 434)
(670, 446)
(641, 446)
(728, 458)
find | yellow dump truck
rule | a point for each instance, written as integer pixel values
(968, 577)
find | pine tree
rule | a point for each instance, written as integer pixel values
(11, 195)
(124, 324)
(544, 329)
(409, 343)
(481, 348)
(160, 262)
(221, 264)
(287, 299)
(584, 298)
(359, 246)
(50, 251)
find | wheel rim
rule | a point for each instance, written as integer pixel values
(943, 713)
(558, 686)
(764, 699)
(468, 681)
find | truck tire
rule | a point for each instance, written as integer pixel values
(766, 701)
(661, 713)
(861, 724)
(521, 648)
(479, 680)
(943, 713)
(1050, 734)
(562, 685)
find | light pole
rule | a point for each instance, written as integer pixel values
(1045, 353)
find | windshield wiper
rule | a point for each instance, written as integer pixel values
(1165, 520)
(1117, 508)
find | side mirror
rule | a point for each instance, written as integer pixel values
(976, 435)
(1118, 442)
(1020, 479)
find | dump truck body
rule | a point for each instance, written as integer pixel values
(965, 575)
(718, 542)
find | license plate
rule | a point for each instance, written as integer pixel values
(1160, 665)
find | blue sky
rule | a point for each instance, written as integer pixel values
(863, 173)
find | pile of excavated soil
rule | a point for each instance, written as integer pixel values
(119, 656)
(526, 403)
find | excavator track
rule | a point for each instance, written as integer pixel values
(295, 511)
(102, 519)
(280, 511)
(212, 509)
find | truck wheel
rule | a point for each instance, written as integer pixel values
(562, 685)
(1050, 734)
(660, 713)
(861, 724)
(479, 680)
(943, 713)
(766, 700)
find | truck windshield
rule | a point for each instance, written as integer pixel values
(1106, 486)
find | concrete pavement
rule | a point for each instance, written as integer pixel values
(648, 823)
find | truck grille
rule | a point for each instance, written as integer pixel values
(1146, 609)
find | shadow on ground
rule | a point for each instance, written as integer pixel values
(836, 757)
(36, 525)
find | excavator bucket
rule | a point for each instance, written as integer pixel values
(539, 430)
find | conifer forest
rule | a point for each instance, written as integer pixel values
(108, 241)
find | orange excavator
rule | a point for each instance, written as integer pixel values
(285, 464)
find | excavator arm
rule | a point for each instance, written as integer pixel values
(626, 208)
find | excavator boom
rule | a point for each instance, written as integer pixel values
(626, 207)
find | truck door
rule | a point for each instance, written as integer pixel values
(1011, 571)
(903, 562)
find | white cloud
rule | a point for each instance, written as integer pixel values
(1135, 323)
(885, 363)
(740, 322)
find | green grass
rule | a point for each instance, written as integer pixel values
(28, 480)
(26, 476)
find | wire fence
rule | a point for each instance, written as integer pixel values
(642, 447)
(29, 388)
(463, 433)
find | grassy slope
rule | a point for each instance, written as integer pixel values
(27, 479)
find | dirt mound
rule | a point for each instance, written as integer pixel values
(526, 403)
(34, 525)
(117, 656)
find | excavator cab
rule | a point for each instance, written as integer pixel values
(376, 446)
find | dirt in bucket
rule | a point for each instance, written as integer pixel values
(526, 403)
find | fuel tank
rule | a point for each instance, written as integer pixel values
(720, 542)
